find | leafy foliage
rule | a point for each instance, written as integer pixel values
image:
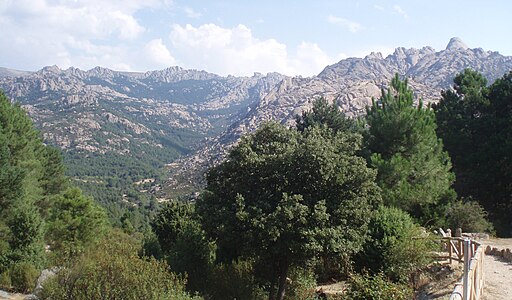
(459, 116)
(183, 242)
(27, 232)
(324, 114)
(31, 182)
(302, 284)
(468, 215)
(74, 222)
(376, 287)
(413, 170)
(285, 197)
(24, 276)
(475, 123)
(394, 247)
(112, 269)
(234, 280)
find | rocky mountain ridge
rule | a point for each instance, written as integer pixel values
(351, 83)
(160, 115)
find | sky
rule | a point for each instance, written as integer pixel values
(237, 37)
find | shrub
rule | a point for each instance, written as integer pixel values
(234, 281)
(376, 287)
(5, 280)
(393, 246)
(112, 269)
(302, 286)
(24, 276)
(470, 216)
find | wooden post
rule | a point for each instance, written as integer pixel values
(467, 258)
(450, 246)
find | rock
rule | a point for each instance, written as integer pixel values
(45, 275)
(456, 44)
(144, 108)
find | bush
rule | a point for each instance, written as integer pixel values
(376, 287)
(5, 280)
(112, 269)
(302, 286)
(470, 216)
(183, 242)
(24, 276)
(234, 281)
(393, 246)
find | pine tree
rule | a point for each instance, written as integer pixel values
(324, 114)
(413, 170)
(461, 123)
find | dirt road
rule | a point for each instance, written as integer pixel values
(497, 273)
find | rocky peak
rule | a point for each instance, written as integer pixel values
(100, 72)
(50, 70)
(456, 44)
(374, 55)
(175, 74)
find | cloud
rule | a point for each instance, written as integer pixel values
(378, 7)
(192, 13)
(236, 51)
(350, 25)
(158, 55)
(400, 11)
(89, 33)
(83, 33)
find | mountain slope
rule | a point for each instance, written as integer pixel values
(120, 128)
(351, 83)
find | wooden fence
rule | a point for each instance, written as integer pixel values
(471, 253)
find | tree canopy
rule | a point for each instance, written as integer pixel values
(476, 124)
(413, 169)
(285, 197)
(324, 114)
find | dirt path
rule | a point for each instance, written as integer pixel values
(497, 273)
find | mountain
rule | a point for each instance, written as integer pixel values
(5, 72)
(119, 129)
(126, 124)
(351, 83)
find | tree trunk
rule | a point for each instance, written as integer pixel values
(272, 294)
(282, 282)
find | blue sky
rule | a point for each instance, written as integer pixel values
(237, 37)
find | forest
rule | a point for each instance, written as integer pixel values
(289, 208)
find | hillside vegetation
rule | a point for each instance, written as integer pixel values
(289, 207)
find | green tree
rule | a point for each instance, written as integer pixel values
(184, 243)
(475, 123)
(495, 191)
(112, 269)
(74, 222)
(27, 234)
(326, 114)
(460, 118)
(11, 178)
(285, 197)
(394, 247)
(53, 180)
(413, 170)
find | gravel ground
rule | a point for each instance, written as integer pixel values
(497, 273)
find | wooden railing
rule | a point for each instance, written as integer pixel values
(471, 253)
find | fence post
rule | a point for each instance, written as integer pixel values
(467, 258)
(450, 245)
